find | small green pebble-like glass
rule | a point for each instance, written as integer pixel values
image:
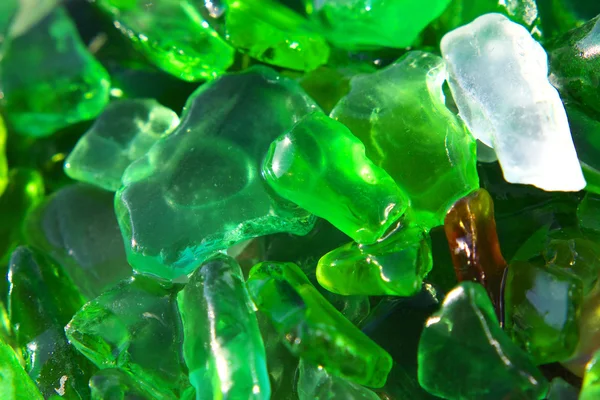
(561, 390)
(464, 354)
(134, 326)
(575, 64)
(274, 34)
(77, 227)
(24, 191)
(49, 79)
(588, 212)
(199, 190)
(124, 132)
(15, 384)
(399, 114)
(41, 301)
(312, 328)
(355, 24)
(322, 167)
(315, 383)
(172, 35)
(590, 390)
(3, 162)
(542, 305)
(395, 266)
(222, 345)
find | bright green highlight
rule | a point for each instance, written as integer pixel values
(322, 167)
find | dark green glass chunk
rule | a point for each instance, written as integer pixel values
(49, 80)
(77, 227)
(464, 354)
(312, 328)
(41, 301)
(542, 305)
(136, 327)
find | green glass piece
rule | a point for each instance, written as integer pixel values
(135, 326)
(49, 79)
(172, 35)
(41, 301)
(15, 384)
(561, 390)
(402, 107)
(353, 24)
(590, 390)
(78, 228)
(271, 33)
(3, 162)
(25, 190)
(199, 190)
(322, 167)
(220, 329)
(124, 132)
(312, 328)
(575, 64)
(579, 257)
(464, 354)
(115, 384)
(585, 132)
(395, 266)
(314, 383)
(588, 212)
(542, 306)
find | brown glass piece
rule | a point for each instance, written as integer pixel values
(471, 232)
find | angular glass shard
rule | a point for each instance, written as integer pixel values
(222, 345)
(353, 24)
(312, 329)
(135, 326)
(78, 228)
(124, 132)
(463, 352)
(402, 107)
(471, 233)
(395, 266)
(542, 306)
(49, 80)
(314, 383)
(322, 167)
(272, 33)
(498, 75)
(199, 190)
(575, 63)
(15, 384)
(25, 190)
(41, 301)
(172, 35)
